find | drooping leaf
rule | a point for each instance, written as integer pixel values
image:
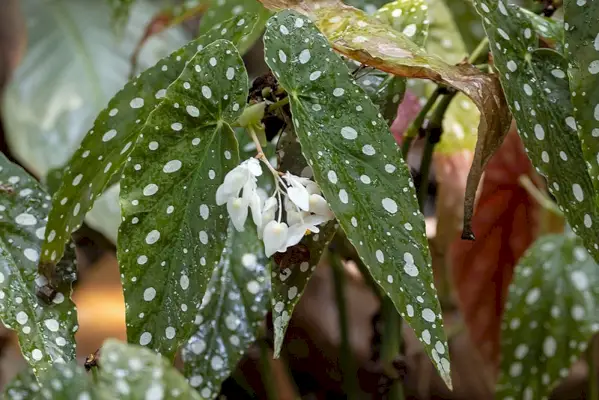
(173, 233)
(116, 130)
(582, 52)
(293, 271)
(133, 372)
(365, 39)
(507, 222)
(536, 85)
(409, 17)
(551, 314)
(45, 329)
(222, 10)
(360, 171)
(232, 310)
(22, 386)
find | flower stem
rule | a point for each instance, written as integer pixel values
(281, 103)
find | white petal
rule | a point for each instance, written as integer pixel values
(295, 180)
(256, 208)
(319, 206)
(294, 217)
(295, 235)
(254, 166)
(263, 195)
(236, 178)
(238, 210)
(313, 220)
(313, 188)
(275, 236)
(222, 195)
(300, 196)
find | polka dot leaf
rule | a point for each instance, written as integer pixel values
(133, 372)
(22, 386)
(45, 331)
(173, 233)
(291, 274)
(582, 52)
(536, 84)
(551, 314)
(222, 10)
(232, 310)
(363, 38)
(359, 168)
(61, 382)
(106, 147)
(409, 17)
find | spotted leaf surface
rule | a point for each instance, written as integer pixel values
(45, 331)
(536, 86)
(409, 17)
(222, 10)
(232, 310)
(365, 39)
(115, 133)
(551, 313)
(134, 372)
(291, 272)
(360, 171)
(550, 31)
(66, 382)
(173, 233)
(22, 386)
(582, 41)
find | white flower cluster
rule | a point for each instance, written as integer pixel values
(304, 205)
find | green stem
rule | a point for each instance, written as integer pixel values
(266, 372)
(274, 106)
(415, 126)
(593, 384)
(346, 356)
(391, 345)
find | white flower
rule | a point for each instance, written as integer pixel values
(297, 192)
(242, 177)
(275, 237)
(268, 214)
(297, 231)
(319, 206)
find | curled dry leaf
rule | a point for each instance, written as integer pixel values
(361, 37)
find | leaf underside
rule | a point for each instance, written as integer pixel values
(173, 233)
(360, 170)
(551, 313)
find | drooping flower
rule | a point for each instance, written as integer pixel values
(297, 192)
(242, 177)
(275, 237)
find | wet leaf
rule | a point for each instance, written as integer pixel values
(444, 38)
(173, 233)
(22, 386)
(582, 39)
(67, 382)
(507, 222)
(550, 31)
(107, 146)
(385, 90)
(232, 310)
(536, 85)
(222, 10)
(45, 331)
(360, 171)
(363, 38)
(131, 371)
(551, 314)
(291, 271)
(409, 17)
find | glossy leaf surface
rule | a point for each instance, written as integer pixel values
(360, 171)
(116, 131)
(409, 17)
(173, 234)
(582, 52)
(551, 313)
(536, 85)
(133, 372)
(45, 330)
(232, 310)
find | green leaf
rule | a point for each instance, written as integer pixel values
(385, 90)
(67, 382)
(409, 17)
(369, 7)
(444, 38)
(232, 310)
(121, 10)
(45, 331)
(221, 10)
(173, 233)
(133, 372)
(536, 86)
(22, 386)
(360, 171)
(365, 39)
(549, 30)
(115, 134)
(466, 19)
(582, 52)
(293, 269)
(551, 314)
